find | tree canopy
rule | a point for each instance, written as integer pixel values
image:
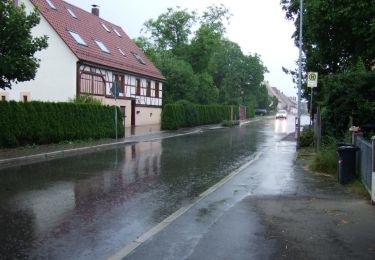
(338, 43)
(17, 45)
(200, 64)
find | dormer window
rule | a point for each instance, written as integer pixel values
(105, 27)
(51, 4)
(72, 14)
(138, 58)
(77, 38)
(122, 52)
(116, 32)
(101, 45)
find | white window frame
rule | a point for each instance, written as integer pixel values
(51, 4)
(138, 58)
(77, 38)
(101, 45)
(116, 32)
(72, 14)
(105, 27)
(121, 51)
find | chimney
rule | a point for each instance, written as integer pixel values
(95, 10)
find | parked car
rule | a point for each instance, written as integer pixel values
(281, 114)
(261, 111)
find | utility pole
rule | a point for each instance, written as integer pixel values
(299, 74)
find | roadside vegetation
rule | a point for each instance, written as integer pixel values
(200, 64)
(35, 123)
(338, 43)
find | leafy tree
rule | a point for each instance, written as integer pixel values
(181, 82)
(17, 45)
(201, 66)
(171, 29)
(336, 36)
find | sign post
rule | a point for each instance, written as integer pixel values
(312, 82)
(115, 92)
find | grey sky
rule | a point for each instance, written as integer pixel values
(257, 26)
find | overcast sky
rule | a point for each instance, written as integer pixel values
(258, 26)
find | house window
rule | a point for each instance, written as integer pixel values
(25, 98)
(157, 89)
(138, 87)
(120, 80)
(122, 52)
(118, 34)
(101, 46)
(3, 98)
(72, 14)
(138, 58)
(92, 83)
(105, 27)
(77, 38)
(148, 90)
(51, 4)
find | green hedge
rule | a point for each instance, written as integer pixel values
(44, 122)
(186, 114)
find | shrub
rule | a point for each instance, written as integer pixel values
(306, 137)
(326, 159)
(45, 122)
(185, 114)
(230, 122)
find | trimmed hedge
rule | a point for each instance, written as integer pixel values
(185, 114)
(45, 122)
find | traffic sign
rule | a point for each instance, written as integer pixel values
(312, 79)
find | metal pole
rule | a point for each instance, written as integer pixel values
(116, 109)
(311, 108)
(299, 73)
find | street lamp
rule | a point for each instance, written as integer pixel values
(299, 74)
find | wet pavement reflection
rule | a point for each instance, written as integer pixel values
(88, 206)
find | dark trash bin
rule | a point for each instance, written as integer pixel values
(346, 163)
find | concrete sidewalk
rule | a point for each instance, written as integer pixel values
(271, 209)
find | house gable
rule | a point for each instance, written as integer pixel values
(106, 44)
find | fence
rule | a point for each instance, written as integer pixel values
(365, 161)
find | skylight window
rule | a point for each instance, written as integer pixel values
(121, 51)
(138, 58)
(105, 27)
(71, 13)
(101, 46)
(51, 4)
(118, 34)
(77, 38)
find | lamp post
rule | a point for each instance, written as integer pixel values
(299, 74)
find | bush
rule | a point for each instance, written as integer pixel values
(230, 122)
(45, 122)
(326, 159)
(185, 114)
(306, 137)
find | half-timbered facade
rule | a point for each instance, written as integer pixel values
(88, 55)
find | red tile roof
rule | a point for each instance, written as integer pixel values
(89, 27)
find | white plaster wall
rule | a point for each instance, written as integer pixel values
(56, 77)
(147, 115)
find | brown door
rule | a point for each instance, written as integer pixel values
(133, 113)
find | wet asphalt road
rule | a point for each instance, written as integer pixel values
(90, 206)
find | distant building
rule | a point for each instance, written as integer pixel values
(89, 55)
(287, 103)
